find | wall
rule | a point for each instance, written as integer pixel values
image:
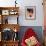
(22, 4)
(39, 13)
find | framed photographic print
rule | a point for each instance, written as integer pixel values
(30, 12)
(5, 12)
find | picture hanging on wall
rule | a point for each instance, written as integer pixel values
(30, 12)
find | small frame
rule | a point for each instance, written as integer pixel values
(5, 12)
(30, 12)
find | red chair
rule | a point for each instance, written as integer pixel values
(29, 33)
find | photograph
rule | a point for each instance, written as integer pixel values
(30, 12)
(5, 12)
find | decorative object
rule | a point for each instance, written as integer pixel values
(15, 34)
(30, 38)
(5, 12)
(30, 12)
(15, 3)
(13, 12)
(7, 34)
(15, 37)
(15, 30)
(31, 41)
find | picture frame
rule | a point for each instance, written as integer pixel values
(5, 12)
(30, 12)
(13, 12)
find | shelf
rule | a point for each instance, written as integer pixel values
(6, 12)
(2, 8)
(10, 26)
(7, 23)
(9, 10)
(11, 41)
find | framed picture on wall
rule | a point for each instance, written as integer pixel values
(30, 12)
(5, 12)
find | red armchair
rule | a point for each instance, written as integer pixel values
(29, 33)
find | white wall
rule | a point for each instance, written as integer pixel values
(7, 3)
(22, 4)
(39, 13)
